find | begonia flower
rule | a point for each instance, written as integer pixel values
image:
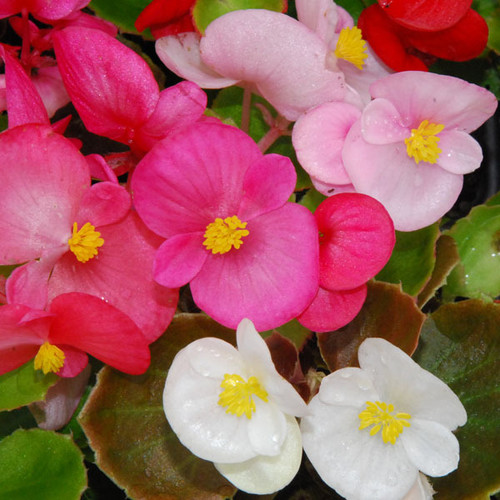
(43, 10)
(230, 406)
(356, 238)
(60, 338)
(408, 149)
(71, 235)
(370, 430)
(115, 92)
(222, 207)
(403, 47)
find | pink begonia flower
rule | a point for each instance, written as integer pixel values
(356, 241)
(84, 238)
(43, 10)
(230, 232)
(116, 94)
(272, 53)
(60, 338)
(411, 145)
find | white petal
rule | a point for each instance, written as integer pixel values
(267, 428)
(263, 475)
(431, 447)
(358, 466)
(421, 490)
(409, 387)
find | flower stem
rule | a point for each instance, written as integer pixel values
(245, 109)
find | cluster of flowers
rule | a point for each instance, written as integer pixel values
(99, 263)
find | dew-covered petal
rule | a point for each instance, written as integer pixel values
(184, 183)
(266, 474)
(179, 259)
(333, 309)
(318, 138)
(280, 55)
(419, 95)
(381, 123)
(409, 387)
(181, 55)
(320, 16)
(267, 428)
(431, 447)
(358, 466)
(461, 153)
(270, 279)
(414, 195)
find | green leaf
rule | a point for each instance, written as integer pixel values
(126, 426)
(41, 465)
(123, 13)
(460, 344)
(354, 7)
(205, 11)
(23, 386)
(312, 199)
(12, 420)
(478, 242)
(387, 312)
(412, 259)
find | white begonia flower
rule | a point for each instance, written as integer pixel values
(370, 430)
(230, 406)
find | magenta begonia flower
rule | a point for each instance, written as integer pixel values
(44, 10)
(115, 92)
(411, 145)
(59, 338)
(230, 232)
(84, 238)
(356, 241)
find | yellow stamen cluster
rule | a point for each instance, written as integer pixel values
(222, 235)
(85, 242)
(49, 358)
(351, 47)
(422, 143)
(237, 394)
(379, 415)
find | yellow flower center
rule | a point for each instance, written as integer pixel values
(237, 394)
(422, 143)
(85, 242)
(222, 235)
(49, 358)
(379, 415)
(351, 47)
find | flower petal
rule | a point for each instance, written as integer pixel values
(271, 278)
(267, 428)
(461, 154)
(264, 474)
(381, 123)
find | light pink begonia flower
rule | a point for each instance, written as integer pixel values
(115, 92)
(230, 232)
(270, 52)
(84, 238)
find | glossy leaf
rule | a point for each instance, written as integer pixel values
(41, 464)
(126, 426)
(123, 13)
(478, 242)
(460, 344)
(387, 313)
(412, 260)
(205, 11)
(23, 386)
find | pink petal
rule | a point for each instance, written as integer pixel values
(381, 123)
(183, 184)
(414, 195)
(24, 104)
(268, 184)
(357, 240)
(121, 274)
(181, 55)
(99, 169)
(331, 189)
(49, 10)
(50, 87)
(419, 95)
(75, 361)
(331, 310)
(104, 203)
(281, 56)
(91, 325)
(38, 198)
(320, 16)
(461, 154)
(111, 86)
(318, 138)
(177, 107)
(270, 279)
(179, 259)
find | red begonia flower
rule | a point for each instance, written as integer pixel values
(166, 17)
